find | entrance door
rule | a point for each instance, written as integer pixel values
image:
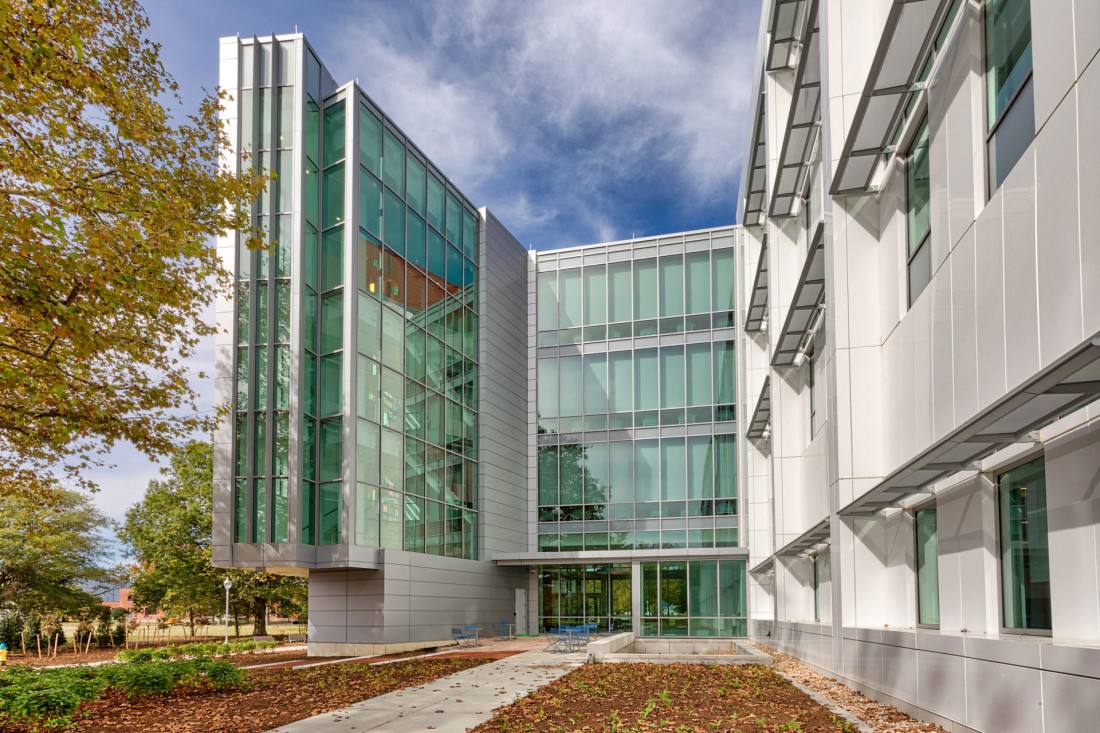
(521, 610)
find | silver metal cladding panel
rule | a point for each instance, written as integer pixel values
(502, 393)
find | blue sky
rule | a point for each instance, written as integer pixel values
(574, 122)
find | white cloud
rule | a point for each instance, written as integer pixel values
(565, 104)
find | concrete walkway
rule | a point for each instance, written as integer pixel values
(448, 704)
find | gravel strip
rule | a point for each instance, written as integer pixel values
(881, 718)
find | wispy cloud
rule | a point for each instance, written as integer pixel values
(582, 120)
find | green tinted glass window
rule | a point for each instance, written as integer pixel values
(370, 327)
(672, 376)
(333, 134)
(1025, 555)
(928, 576)
(332, 259)
(724, 373)
(368, 381)
(917, 190)
(569, 302)
(546, 384)
(595, 295)
(331, 453)
(595, 384)
(620, 381)
(393, 163)
(415, 182)
(697, 277)
(725, 475)
(700, 467)
(243, 378)
(571, 398)
(280, 515)
(332, 196)
(370, 141)
(437, 203)
(645, 289)
(332, 321)
(1007, 52)
(672, 285)
(647, 474)
(646, 382)
(722, 279)
(259, 511)
(282, 378)
(240, 510)
(367, 507)
(546, 295)
(698, 374)
(370, 203)
(618, 289)
(331, 387)
(394, 223)
(453, 228)
(261, 312)
(548, 475)
(328, 510)
(469, 235)
(673, 469)
(261, 378)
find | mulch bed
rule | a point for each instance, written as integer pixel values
(276, 697)
(667, 697)
(882, 718)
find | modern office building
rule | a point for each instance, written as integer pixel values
(859, 426)
(921, 355)
(633, 511)
(437, 427)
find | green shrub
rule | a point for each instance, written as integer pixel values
(223, 674)
(48, 698)
(135, 655)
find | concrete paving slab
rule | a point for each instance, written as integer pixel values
(454, 703)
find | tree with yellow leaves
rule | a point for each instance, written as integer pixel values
(108, 206)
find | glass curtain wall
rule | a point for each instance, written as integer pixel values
(576, 594)
(416, 366)
(268, 130)
(645, 297)
(694, 598)
(607, 491)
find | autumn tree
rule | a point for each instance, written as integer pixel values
(169, 531)
(49, 549)
(109, 197)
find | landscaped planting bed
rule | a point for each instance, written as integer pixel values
(262, 700)
(681, 698)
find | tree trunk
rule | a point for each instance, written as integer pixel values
(259, 612)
